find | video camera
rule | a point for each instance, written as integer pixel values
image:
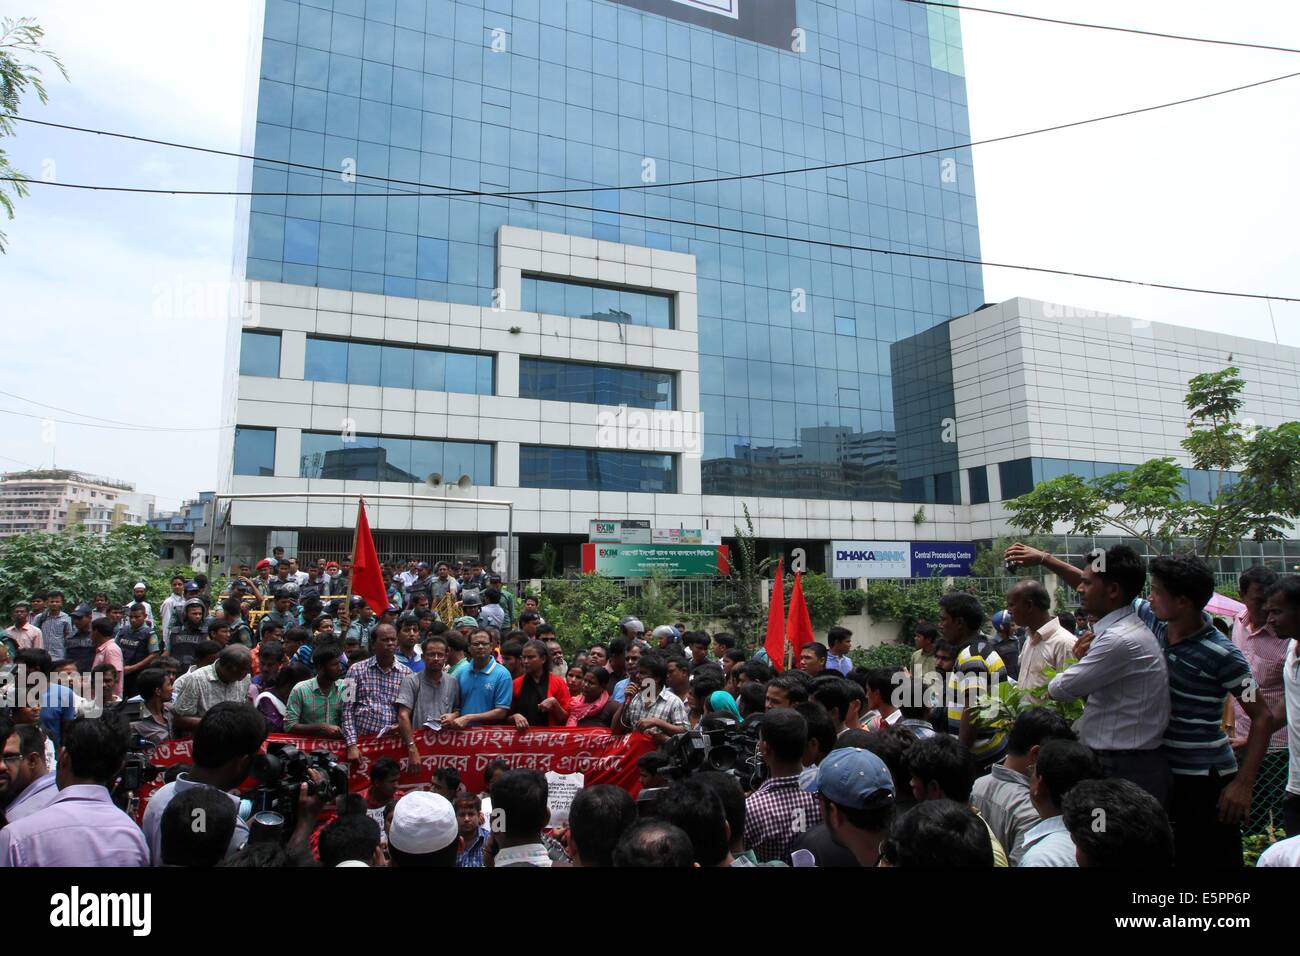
(138, 769)
(281, 772)
(720, 744)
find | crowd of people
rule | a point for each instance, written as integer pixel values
(829, 764)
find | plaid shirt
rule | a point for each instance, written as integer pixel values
(472, 855)
(776, 814)
(667, 706)
(374, 691)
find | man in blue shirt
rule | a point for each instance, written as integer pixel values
(1210, 795)
(486, 688)
(57, 702)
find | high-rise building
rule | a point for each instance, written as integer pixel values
(55, 499)
(647, 260)
(406, 320)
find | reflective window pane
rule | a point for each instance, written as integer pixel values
(255, 451)
(394, 459)
(259, 354)
(397, 367)
(589, 469)
(581, 300)
(327, 361)
(559, 381)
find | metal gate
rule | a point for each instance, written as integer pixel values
(395, 546)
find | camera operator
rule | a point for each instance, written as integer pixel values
(81, 826)
(227, 739)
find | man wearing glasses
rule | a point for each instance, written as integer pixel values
(486, 688)
(429, 699)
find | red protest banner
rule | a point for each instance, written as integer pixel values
(600, 756)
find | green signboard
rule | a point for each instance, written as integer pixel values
(640, 560)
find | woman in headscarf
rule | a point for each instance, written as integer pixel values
(720, 702)
(594, 708)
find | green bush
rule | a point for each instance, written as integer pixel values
(658, 601)
(78, 564)
(906, 604)
(583, 610)
(855, 599)
(882, 655)
(825, 607)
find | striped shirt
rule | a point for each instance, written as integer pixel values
(976, 674)
(1125, 679)
(1204, 668)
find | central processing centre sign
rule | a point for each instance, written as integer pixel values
(901, 559)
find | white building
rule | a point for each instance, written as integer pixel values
(54, 500)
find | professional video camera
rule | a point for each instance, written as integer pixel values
(138, 768)
(281, 771)
(720, 744)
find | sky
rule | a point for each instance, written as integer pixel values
(118, 304)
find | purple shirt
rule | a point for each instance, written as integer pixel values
(40, 793)
(81, 827)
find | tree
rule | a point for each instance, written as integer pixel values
(1255, 490)
(744, 613)
(825, 606)
(20, 44)
(78, 564)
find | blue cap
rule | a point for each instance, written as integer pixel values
(855, 778)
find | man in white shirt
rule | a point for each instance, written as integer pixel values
(1060, 765)
(173, 606)
(1047, 644)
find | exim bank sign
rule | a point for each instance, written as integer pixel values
(763, 21)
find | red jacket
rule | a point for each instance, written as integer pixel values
(555, 687)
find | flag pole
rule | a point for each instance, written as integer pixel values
(356, 538)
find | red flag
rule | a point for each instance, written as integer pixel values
(799, 627)
(367, 579)
(774, 643)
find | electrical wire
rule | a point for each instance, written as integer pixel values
(448, 191)
(1102, 26)
(825, 243)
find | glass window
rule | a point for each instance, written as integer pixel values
(365, 364)
(327, 361)
(380, 458)
(583, 300)
(979, 485)
(1017, 477)
(255, 451)
(589, 469)
(398, 366)
(397, 369)
(558, 381)
(259, 354)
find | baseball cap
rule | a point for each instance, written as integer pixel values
(465, 621)
(855, 778)
(82, 610)
(191, 586)
(423, 822)
(422, 564)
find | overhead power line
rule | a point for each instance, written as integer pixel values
(119, 428)
(825, 243)
(1108, 27)
(446, 191)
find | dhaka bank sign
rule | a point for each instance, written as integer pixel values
(763, 21)
(901, 559)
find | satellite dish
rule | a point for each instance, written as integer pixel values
(464, 483)
(434, 480)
